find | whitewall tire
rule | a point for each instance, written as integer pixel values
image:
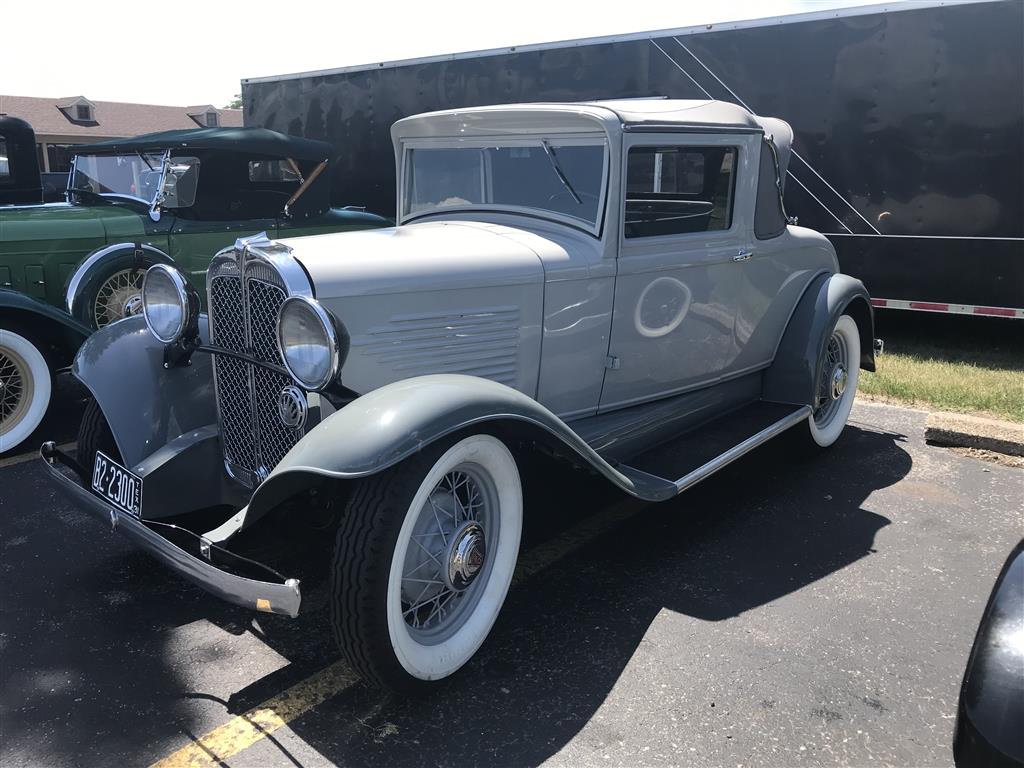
(25, 387)
(424, 560)
(837, 383)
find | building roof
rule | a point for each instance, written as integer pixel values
(110, 119)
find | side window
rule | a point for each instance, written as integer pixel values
(678, 190)
(5, 165)
(272, 170)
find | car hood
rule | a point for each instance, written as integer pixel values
(54, 221)
(416, 257)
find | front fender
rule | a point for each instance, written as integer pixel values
(379, 429)
(792, 377)
(93, 268)
(55, 327)
(145, 404)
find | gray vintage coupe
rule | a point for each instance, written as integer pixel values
(614, 284)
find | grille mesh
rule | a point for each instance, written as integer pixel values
(253, 436)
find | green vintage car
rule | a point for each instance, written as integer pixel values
(174, 197)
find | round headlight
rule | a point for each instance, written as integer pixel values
(308, 342)
(165, 302)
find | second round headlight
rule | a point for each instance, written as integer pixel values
(308, 342)
(165, 302)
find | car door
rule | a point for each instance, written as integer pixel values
(690, 289)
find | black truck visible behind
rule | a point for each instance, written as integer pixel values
(909, 127)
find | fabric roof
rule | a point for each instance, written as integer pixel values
(254, 141)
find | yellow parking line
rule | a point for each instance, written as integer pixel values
(243, 731)
(21, 458)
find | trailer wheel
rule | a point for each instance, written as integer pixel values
(423, 561)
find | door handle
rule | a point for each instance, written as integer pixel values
(743, 255)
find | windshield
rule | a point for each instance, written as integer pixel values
(563, 177)
(135, 176)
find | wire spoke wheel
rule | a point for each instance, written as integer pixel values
(446, 564)
(16, 386)
(119, 296)
(833, 381)
(424, 558)
(838, 374)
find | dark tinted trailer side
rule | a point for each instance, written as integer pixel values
(909, 126)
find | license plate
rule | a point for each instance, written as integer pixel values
(117, 485)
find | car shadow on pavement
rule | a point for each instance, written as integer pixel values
(107, 658)
(767, 526)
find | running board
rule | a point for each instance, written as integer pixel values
(699, 453)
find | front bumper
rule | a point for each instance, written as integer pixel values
(282, 598)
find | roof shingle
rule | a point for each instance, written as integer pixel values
(111, 119)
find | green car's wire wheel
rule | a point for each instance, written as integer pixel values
(24, 388)
(15, 384)
(119, 296)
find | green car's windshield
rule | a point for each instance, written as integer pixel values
(136, 176)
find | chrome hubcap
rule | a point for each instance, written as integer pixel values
(838, 378)
(133, 306)
(466, 554)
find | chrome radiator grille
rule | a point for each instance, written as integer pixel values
(243, 318)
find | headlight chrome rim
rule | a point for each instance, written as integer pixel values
(181, 289)
(327, 325)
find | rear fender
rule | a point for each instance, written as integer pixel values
(389, 424)
(792, 377)
(145, 404)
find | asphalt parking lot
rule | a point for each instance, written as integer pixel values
(785, 612)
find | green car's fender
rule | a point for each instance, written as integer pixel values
(60, 333)
(85, 282)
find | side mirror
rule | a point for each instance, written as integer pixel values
(989, 718)
(181, 180)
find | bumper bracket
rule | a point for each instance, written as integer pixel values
(271, 597)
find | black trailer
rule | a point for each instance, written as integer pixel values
(908, 120)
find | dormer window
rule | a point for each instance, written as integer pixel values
(205, 116)
(77, 109)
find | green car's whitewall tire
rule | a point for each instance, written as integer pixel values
(25, 387)
(425, 557)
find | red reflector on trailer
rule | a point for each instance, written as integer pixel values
(999, 311)
(956, 309)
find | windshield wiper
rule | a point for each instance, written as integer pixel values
(145, 161)
(558, 171)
